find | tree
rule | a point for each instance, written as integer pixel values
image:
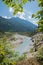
(6, 54)
(39, 15)
(17, 5)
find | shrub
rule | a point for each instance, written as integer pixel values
(6, 54)
(39, 55)
(31, 50)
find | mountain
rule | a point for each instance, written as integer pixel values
(16, 25)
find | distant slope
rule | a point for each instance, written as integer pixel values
(16, 25)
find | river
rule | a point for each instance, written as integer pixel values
(25, 45)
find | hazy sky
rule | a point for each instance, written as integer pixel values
(29, 8)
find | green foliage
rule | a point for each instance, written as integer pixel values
(39, 55)
(6, 54)
(31, 50)
(39, 15)
(40, 3)
(17, 5)
(22, 57)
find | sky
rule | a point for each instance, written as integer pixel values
(29, 9)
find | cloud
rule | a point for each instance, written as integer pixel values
(35, 22)
(11, 10)
(6, 17)
(29, 17)
(24, 15)
(20, 15)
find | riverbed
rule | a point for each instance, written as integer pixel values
(25, 45)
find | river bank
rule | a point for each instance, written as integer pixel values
(21, 43)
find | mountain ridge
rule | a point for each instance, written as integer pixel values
(17, 25)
